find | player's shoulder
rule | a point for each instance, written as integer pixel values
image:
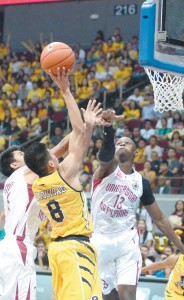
(16, 174)
(145, 181)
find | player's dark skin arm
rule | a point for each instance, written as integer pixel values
(163, 224)
(106, 155)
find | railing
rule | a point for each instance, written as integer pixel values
(148, 287)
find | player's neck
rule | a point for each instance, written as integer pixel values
(126, 167)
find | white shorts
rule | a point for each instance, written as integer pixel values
(17, 270)
(119, 258)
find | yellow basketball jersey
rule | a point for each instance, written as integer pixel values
(65, 207)
(176, 279)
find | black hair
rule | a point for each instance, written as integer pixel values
(36, 158)
(177, 204)
(6, 159)
(164, 162)
(172, 148)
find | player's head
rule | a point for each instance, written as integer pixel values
(40, 160)
(11, 159)
(125, 150)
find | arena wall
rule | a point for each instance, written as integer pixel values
(70, 22)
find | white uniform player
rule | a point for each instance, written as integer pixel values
(23, 216)
(114, 202)
(116, 193)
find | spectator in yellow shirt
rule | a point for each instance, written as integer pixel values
(110, 48)
(14, 108)
(21, 120)
(46, 86)
(84, 92)
(123, 74)
(100, 66)
(101, 50)
(2, 141)
(35, 91)
(34, 122)
(92, 80)
(15, 85)
(149, 174)
(78, 74)
(133, 54)
(3, 50)
(42, 111)
(140, 151)
(132, 111)
(57, 101)
(109, 84)
(118, 44)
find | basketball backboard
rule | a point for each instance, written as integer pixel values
(162, 36)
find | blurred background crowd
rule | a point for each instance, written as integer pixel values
(32, 108)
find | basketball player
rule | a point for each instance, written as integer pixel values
(22, 218)
(175, 286)
(116, 191)
(72, 259)
(23, 215)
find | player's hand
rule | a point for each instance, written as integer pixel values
(91, 113)
(61, 79)
(110, 116)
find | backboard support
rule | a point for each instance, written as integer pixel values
(162, 36)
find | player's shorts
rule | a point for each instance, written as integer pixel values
(119, 258)
(17, 270)
(173, 296)
(74, 266)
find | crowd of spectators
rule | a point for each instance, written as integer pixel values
(104, 71)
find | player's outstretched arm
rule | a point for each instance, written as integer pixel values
(164, 225)
(78, 145)
(62, 81)
(168, 262)
(107, 152)
(62, 148)
(91, 118)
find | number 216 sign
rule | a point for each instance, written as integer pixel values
(126, 9)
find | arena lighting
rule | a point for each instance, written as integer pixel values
(14, 2)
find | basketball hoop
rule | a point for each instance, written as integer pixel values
(168, 90)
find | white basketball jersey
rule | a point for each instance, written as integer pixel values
(23, 214)
(114, 201)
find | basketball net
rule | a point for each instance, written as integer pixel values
(168, 90)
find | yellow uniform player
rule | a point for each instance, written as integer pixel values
(175, 286)
(72, 258)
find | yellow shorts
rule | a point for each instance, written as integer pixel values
(74, 269)
(171, 295)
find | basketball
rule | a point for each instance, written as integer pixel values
(56, 55)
